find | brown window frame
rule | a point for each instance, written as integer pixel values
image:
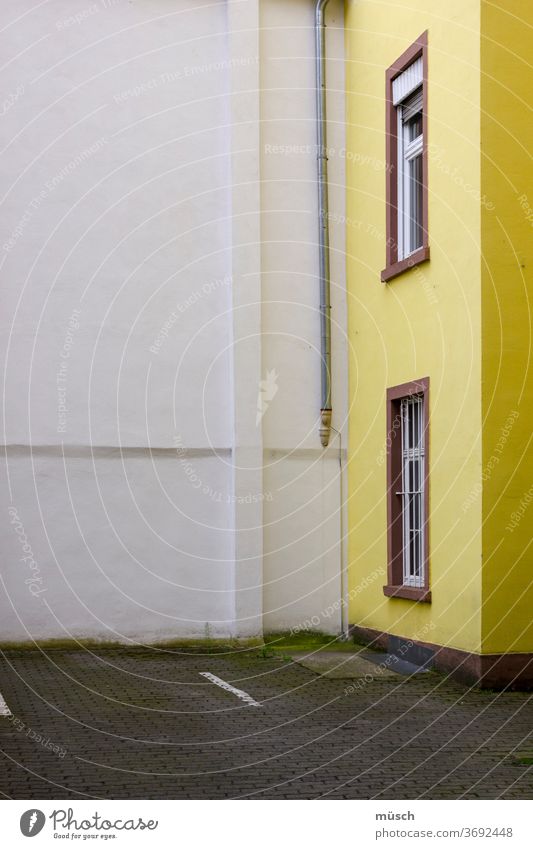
(394, 266)
(395, 588)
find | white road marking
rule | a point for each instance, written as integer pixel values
(225, 686)
(4, 710)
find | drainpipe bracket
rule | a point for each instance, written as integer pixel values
(325, 428)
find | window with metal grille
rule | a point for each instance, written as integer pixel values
(408, 491)
(412, 417)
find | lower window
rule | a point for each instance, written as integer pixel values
(407, 485)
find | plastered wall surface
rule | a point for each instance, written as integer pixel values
(140, 313)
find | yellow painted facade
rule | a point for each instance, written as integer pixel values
(461, 318)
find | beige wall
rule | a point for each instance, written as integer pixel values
(303, 522)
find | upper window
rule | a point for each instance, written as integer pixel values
(410, 183)
(407, 237)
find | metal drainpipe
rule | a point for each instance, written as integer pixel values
(325, 280)
(323, 212)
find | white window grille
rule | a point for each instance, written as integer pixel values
(413, 518)
(410, 174)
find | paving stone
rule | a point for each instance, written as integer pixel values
(344, 665)
(145, 724)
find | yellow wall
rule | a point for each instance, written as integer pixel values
(426, 322)
(507, 300)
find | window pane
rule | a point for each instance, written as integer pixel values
(415, 203)
(413, 490)
(410, 193)
(414, 127)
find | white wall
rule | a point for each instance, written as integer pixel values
(121, 135)
(143, 261)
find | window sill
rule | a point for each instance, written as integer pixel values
(410, 593)
(397, 268)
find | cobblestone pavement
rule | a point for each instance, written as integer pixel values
(146, 724)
